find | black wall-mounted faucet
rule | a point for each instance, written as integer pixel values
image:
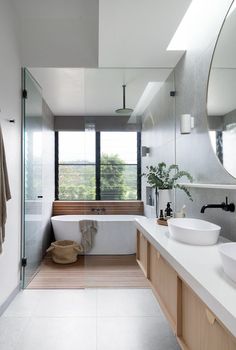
(224, 206)
(98, 210)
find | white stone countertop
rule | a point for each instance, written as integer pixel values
(200, 267)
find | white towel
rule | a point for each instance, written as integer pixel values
(5, 193)
(88, 228)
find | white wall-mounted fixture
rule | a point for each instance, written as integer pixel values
(90, 126)
(186, 123)
(145, 151)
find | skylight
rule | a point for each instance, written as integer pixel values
(179, 41)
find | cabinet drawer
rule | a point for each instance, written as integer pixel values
(200, 328)
(142, 252)
(164, 281)
(153, 262)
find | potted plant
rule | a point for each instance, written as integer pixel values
(163, 180)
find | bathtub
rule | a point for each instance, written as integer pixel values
(116, 234)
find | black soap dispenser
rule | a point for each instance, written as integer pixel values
(168, 211)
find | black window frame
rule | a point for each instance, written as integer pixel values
(98, 166)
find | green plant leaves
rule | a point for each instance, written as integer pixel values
(162, 178)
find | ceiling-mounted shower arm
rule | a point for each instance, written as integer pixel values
(123, 86)
(124, 110)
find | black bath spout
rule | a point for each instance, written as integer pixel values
(204, 207)
(224, 206)
(98, 210)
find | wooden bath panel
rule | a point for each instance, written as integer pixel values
(98, 207)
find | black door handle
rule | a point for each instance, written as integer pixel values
(40, 197)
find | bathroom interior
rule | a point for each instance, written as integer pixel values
(86, 113)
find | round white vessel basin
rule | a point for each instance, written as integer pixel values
(194, 231)
(228, 257)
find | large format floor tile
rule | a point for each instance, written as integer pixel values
(67, 303)
(11, 329)
(59, 334)
(23, 305)
(86, 319)
(139, 333)
(127, 303)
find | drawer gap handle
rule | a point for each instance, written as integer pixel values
(211, 318)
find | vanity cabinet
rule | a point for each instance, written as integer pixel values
(163, 278)
(201, 330)
(194, 325)
(164, 281)
(142, 253)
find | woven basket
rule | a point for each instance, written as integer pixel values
(65, 252)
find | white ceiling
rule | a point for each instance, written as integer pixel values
(222, 82)
(94, 92)
(58, 33)
(123, 33)
(225, 53)
(221, 91)
(73, 34)
(137, 33)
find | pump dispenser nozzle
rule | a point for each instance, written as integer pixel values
(168, 211)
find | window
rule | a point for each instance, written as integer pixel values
(98, 165)
(76, 165)
(118, 165)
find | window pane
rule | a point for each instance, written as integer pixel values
(76, 165)
(118, 165)
(121, 144)
(76, 182)
(118, 182)
(76, 147)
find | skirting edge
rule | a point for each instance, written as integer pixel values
(10, 298)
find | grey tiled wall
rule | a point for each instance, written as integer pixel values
(158, 133)
(193, 152)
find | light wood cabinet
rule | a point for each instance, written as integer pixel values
(200, 328)
(142, 253)
(194, 325)
(164, 281)
(153, 264)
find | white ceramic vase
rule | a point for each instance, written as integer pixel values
(163, 197)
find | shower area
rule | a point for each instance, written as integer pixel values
(74, 174)
(37, 176)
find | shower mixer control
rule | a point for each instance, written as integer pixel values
(98, 210)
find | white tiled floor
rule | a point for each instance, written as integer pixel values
(89, 319)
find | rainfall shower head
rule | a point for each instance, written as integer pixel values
(124, 110)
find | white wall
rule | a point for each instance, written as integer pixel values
(10, 104)
(58, 33)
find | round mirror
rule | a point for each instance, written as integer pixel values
(221, 101)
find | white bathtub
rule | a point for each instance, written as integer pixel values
(116, 234)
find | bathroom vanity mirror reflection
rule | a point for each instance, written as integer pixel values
(221, 103)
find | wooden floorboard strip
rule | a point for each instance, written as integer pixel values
(119, 271)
